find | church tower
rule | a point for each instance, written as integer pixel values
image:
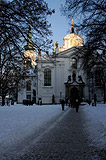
(72, 39)
(29, 49)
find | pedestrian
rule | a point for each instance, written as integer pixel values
(53, 99)
(77, 105)
(92, 102)
(7, 102)
(69, 102)
(95, 100)
(62, 104)
(40, 101)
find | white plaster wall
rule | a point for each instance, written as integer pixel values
(45, 92)
(60, 88)
(21, 95)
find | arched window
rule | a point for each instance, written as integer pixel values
(28, 85)
(47, 77)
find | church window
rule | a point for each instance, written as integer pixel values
(47, 77)
(73, 42)
(28, 85)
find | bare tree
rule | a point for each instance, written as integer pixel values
(15, 18)
(91, 20)
(90, 16)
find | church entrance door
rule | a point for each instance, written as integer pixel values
(74, 94)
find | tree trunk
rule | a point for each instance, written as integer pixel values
(104, 93)
(17, 93)
(3, 100)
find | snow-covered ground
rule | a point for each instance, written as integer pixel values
(95, 124)
(20, 120)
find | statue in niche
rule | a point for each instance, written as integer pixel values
(80, 78)
(73, 63)
(57, 44)
(69, 78)
(74, 76)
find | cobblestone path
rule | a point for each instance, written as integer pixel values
(66, 140)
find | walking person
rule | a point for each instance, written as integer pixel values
(62, 104)
(95, 100)
(53, 99)
(77, 105)
(69, 102)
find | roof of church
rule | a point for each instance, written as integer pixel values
(71, 40)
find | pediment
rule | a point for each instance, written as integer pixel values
(74, 51)
(74, 83)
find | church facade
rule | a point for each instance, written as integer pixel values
(60, 75)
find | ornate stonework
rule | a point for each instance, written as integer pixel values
(29, 50)
(71, 40)
(32, 55)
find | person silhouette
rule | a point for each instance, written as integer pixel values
(62, 104)
(95, 100)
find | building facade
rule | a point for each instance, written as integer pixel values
(27, 91)
(61, 75)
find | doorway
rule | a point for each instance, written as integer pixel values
(74, 94)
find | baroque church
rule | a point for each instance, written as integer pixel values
(58, 75)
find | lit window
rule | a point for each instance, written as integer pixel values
(47, 77)
(73, 42)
